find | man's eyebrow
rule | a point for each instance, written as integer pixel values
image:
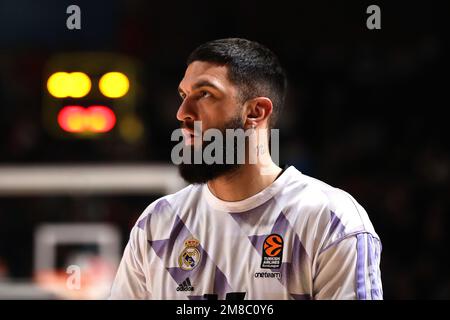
(204, 83)
(201, 83)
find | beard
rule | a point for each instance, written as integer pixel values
(202, 172)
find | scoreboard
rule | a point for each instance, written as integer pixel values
(91, 95)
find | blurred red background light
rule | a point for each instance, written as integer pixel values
(96, 119)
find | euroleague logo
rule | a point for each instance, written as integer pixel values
(273, 245)
(272, 252)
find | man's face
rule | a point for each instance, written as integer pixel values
(208, 96)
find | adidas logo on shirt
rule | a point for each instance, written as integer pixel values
(185, 286)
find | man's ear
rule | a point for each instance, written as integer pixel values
(258, 112)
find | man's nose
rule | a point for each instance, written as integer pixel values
(186, 111)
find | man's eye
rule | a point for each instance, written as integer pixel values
(205, 94)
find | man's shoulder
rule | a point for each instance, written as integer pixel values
(334, 209)
(164, 210)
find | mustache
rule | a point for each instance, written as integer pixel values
(234, 123)
(187, 125)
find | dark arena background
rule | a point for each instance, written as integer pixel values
(364, 112)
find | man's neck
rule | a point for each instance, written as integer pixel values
(245, 182)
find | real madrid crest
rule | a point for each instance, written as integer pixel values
(190, 256)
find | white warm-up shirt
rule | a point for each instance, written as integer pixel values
(299, 238)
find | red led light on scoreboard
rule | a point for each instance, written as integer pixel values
(94, 119)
